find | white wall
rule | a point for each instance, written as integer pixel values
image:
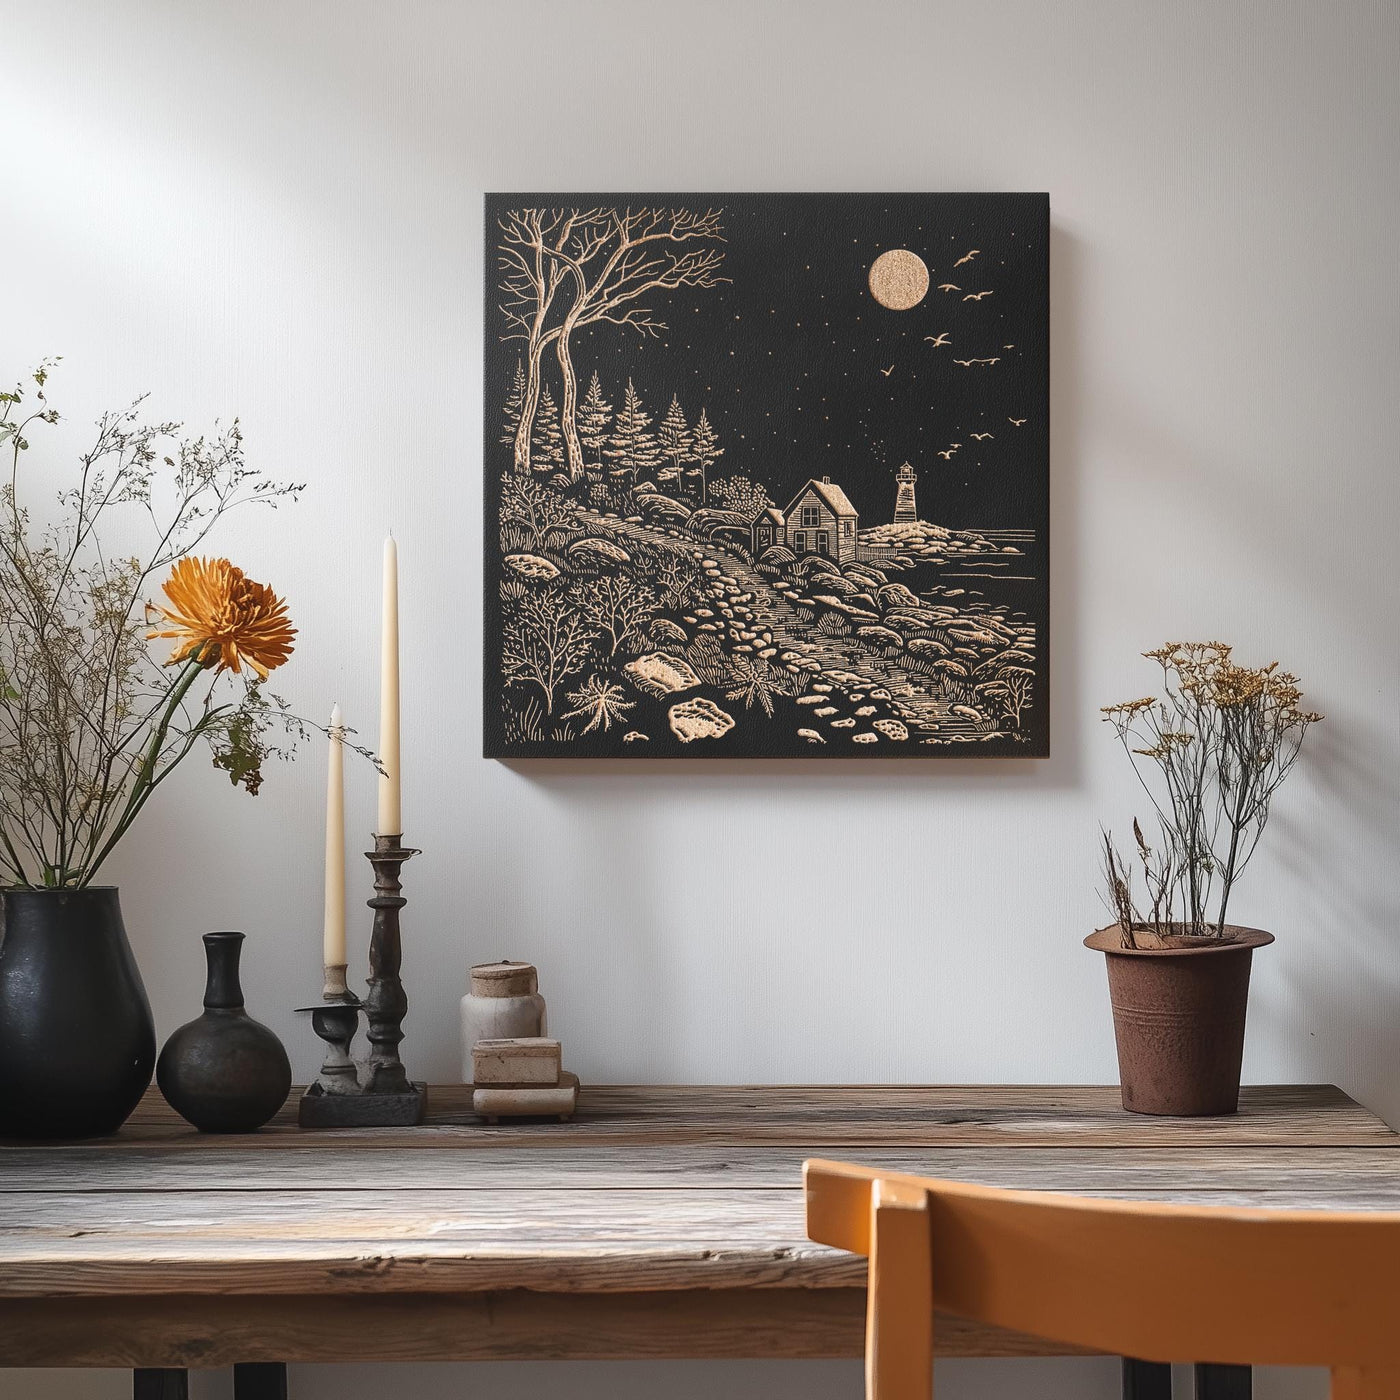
(272, 209)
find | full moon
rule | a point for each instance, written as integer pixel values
(898, 279)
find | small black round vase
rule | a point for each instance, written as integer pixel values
(225, 1072)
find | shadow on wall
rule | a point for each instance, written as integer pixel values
(1063, 769)
(1349, 1018)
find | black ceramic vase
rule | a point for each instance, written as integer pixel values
(76, 1038)
(225, 1072)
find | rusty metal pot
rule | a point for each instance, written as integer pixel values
(1178, 1018)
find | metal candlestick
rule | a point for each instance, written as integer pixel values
(377, 1093)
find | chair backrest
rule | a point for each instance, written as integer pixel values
(1153, 1281)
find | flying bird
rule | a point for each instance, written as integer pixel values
(967, 257)
(886, 372)
(1016, 422)
(947, 456)
(1008, 347)
(966, 363)
(948, 287)
(942, 339)
(981, 436)
(955, 444)
(976, 296)
(989, 360)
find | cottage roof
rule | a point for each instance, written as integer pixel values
(836, 499)
(773, 514)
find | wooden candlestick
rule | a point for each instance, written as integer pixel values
(387, 1004)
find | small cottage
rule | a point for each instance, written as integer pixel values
(822, 520)
(769, 529)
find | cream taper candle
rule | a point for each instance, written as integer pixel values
(390, 808)
(333, 939)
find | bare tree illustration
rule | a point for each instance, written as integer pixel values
(1015, 694)
(530, 279)
(617, 605)
(594, 419)
(539, 514)
(545, 641)
(611, 259)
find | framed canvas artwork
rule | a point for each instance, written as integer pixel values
(767, 476)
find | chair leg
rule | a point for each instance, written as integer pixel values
(899, 1301)
(1224, 1383)
(260, 1380)
(1146, 1380)
(160, 1383)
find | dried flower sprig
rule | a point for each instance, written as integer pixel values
(90, 723)
(1218, 743)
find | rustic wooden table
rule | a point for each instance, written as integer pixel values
(662, 1222)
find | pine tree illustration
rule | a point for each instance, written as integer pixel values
(547, 447)
(515, 402)
(705, 450)
(594, 419)
(630, 447)
(674, 438)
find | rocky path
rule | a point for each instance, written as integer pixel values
(852, 690)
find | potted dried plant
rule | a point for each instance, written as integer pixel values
(1210, 752)
(91, 724)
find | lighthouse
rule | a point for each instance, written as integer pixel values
(905, 511)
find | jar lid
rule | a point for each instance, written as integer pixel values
(504, 979)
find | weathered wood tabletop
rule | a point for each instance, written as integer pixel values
(662, 1222)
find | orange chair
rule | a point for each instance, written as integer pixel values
(1160, 1282)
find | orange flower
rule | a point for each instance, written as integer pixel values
(221, 617)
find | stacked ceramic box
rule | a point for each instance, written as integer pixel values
(515, 1069)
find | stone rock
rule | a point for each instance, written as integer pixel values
(866, 710)
(660, 675)
(811, 736)
(879, 694)
(531, 566)
(662, 629)
(896, 595)
(865, 738)
(839, 723)
(633, 735)
(825, 711)
(891, 728)
(965, 712)
(589, 547)
(699, 719)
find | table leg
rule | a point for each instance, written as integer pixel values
(260, 1380)
(1146, 1380)
(1224, 1383)
(160, 1383)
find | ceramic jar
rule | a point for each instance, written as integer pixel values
(224, 1072)
(76, 1038)
(504, 1003)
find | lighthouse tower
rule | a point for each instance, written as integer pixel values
(905, 511)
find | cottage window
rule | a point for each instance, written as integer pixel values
(811, 517)
(848, 527)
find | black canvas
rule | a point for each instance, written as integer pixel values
(766, 475)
